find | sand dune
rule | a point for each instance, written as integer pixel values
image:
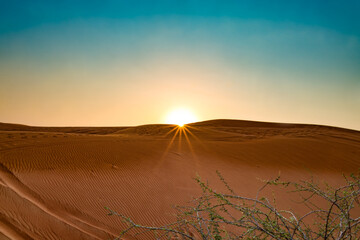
(56, 181)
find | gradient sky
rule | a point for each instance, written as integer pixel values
(120, 62)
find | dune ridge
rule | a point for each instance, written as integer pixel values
(213, 122)
(10, 181)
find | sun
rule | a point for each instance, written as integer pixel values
(180, 117)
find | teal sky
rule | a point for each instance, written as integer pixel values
(104, 63)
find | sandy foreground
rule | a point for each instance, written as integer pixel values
(55, 182)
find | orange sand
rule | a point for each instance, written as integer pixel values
(55, 182)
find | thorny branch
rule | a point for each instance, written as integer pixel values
(216, 215)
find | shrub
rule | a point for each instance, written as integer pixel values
(218, 215)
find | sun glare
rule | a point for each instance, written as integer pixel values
(180, 117)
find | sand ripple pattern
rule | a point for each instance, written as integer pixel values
(55, 182)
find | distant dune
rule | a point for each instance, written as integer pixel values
(56, 181)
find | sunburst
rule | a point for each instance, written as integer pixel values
(180, 117)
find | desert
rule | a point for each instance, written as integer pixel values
(55, 182)
(179, 120)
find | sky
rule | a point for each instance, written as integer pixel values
(121, 63)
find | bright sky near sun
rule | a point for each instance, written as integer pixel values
(119, 63)
(180, 116)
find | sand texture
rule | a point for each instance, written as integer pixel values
(55, 182)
